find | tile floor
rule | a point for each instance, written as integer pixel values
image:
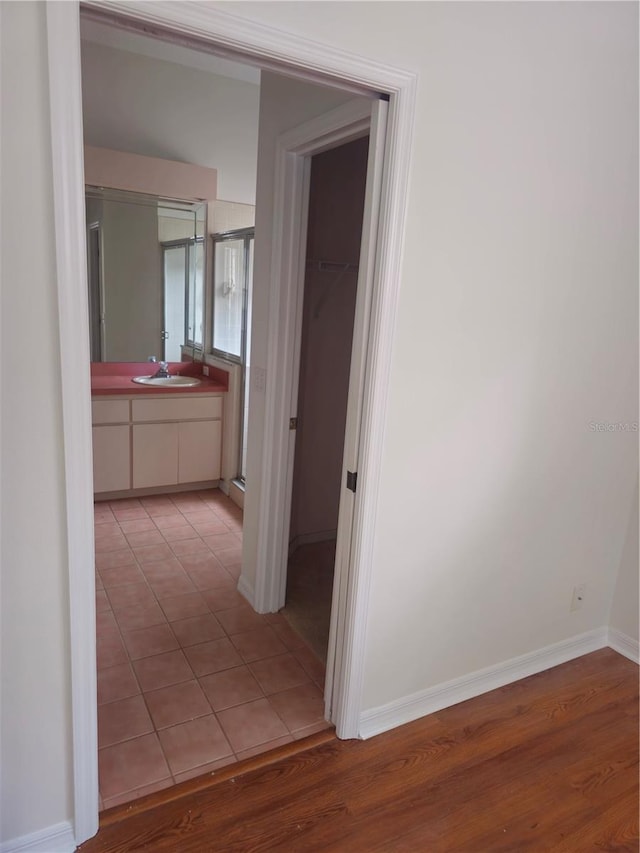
(190, 678)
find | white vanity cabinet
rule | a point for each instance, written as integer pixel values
(155, 455)
(111, 445)
(176, 441)
(196, 459)
(161, 442)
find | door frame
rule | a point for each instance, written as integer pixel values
(272, 49)
(294, 150)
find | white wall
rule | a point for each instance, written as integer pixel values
(35, 742)
(162, 109)
(624, 607)
(229, 216)
(517, 328)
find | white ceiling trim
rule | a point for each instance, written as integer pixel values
(199, 25)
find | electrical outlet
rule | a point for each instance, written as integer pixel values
(205, 369)
(579, 593)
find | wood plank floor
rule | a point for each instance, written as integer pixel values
(549, 763)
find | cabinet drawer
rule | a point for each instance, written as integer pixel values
(110, 411)
(195, 408)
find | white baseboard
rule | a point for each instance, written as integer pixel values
(624, 645)
(246, 589)
(54, 839)
(236, 493)
(405, 710)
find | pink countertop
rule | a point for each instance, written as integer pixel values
(117, 378)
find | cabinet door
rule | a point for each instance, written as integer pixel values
(111, 459)
(155, 455)
(199, 451)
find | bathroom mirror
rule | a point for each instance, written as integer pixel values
(145, 264)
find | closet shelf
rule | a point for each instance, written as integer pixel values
(331, 266)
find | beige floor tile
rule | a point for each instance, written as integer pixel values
(299, 707)
(193, 744)
(230, 687)
(249, 725)
(131, 765)
(116, 682)
(122, 720)
(162, 670)
(178, 703)
(278, 673)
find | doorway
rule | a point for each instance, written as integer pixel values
(171, 625)
(334, 231)
(274, 49)
(189, 678)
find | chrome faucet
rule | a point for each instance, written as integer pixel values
(163, 370)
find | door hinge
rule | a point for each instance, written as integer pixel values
(293, 423)
(352, 478)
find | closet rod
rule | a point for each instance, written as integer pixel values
(332, 266)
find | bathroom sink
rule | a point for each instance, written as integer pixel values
(167, 381)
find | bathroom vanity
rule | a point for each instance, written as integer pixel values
(146, 440)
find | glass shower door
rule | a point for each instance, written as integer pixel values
(232, 296)
(175, 268)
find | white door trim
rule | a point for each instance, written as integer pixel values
(291, 186)
(258, 44)
(199, 22)
(345, 652)
(65, 93)
(346, 643)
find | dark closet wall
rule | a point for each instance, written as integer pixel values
(336, 205)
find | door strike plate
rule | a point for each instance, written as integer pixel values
(293, 423)
(352, 478)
